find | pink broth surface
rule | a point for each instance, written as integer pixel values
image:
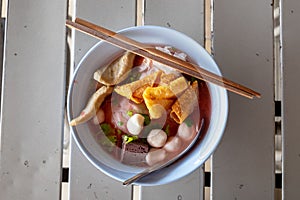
(119, 109)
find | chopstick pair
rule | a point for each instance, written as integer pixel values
(148, 51)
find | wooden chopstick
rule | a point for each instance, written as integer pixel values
(154, 54)
(143, 50)
(168, 57)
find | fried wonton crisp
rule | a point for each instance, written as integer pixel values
(185, 104)
(134, 90)
(117, 71)
(92, 106)
(157, 98)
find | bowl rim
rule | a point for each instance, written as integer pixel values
(145, 181)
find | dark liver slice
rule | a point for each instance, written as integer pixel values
(134, 153)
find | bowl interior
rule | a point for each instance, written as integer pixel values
(81, 88)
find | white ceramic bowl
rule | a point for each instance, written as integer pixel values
(80, 90)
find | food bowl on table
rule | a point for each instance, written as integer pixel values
(99, 138)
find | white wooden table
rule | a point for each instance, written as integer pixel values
(246, 42)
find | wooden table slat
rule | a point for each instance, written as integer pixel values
(189, 187)
(34, 91)
(113, 15)
(291, 98)
(243, 165)
(33, 100)
(87, 182)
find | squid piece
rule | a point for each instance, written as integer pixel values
(155, 155)
(92, 106)
(117, 71)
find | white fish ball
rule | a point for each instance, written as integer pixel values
(135, 124)
(186, 132)
(157, 138)
(155, 155)
(173, 144)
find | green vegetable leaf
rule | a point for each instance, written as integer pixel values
(106, 128)
(120, 123)
(188, 122)
(109, 142)
(129, 113)
(193, 79)
(147, 119)
(127, 139)
(134, 77)
(167, 129)
(112, 138)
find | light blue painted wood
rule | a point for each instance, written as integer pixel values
(33, 100)
(243, 165)
(86, 182)
(189, 187)
(291, 99)
(184, 16)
